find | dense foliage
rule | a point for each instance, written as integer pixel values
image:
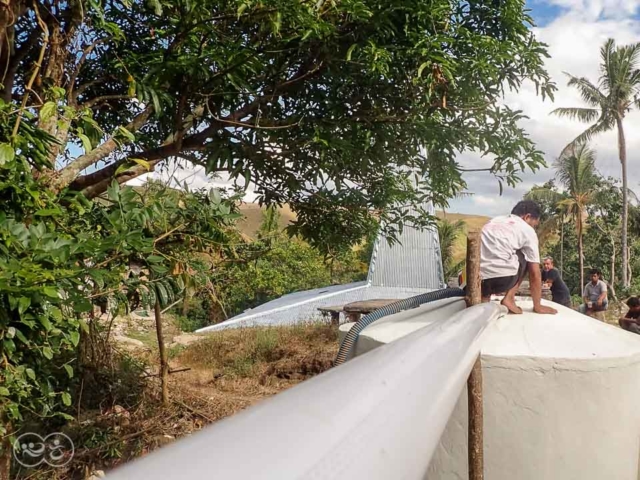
(332, 107)
(608, 103)
(601, 234)
(345, 110)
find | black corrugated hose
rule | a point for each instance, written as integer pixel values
(350, 339)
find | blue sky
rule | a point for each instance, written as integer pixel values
(574, 31)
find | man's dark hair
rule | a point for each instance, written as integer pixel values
(595, 271)
(633, 302)
(526, 207)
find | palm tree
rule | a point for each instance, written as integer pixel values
(575, 172)
(609, 102)
(448, 233)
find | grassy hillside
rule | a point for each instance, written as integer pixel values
(472, 222)
(253, 218)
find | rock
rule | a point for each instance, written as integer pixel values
(186, 339)
(96, 475)
(127, 342)
(162, 440)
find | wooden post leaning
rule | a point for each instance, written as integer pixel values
(474, 382)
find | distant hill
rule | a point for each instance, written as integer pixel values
(472, 222)
(253, 218)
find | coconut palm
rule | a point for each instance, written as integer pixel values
(609, 101)
(555, 220)
(575, 172)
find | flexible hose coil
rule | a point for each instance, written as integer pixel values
(350, 339)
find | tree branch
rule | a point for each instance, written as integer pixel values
(71, 171)
(96, 183)
(74, 76)
(104, 99)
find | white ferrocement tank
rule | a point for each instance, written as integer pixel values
(561, 400)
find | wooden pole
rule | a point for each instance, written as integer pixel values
(474, 382)
(164, 364)
(474, 296)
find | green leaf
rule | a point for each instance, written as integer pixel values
(47, 352)
(45, 322)
(241, 9)
(23, 304)
(47, 111)
(75, 338)
(51, 292)
(142, 163)
(122, 168)
(422, 67)
(113, 192)
(350, 51)
(69, 370)
(126, 133)
(155, 259)
(7, 153)
(66, 399)
(11, 332)
(48, 212)
(4, 391)
(30, 373)
(158, 268)
(86, 143)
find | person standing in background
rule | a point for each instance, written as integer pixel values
(551, 276)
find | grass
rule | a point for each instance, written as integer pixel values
(255, 352)
(253, 218)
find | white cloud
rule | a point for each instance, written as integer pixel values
(574, 41)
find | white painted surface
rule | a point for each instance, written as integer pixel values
(561, 398)
(377, 417)
(396, 326)
(561, 402)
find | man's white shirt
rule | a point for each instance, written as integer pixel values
(501, 238)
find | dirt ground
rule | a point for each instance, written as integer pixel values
(217, 375)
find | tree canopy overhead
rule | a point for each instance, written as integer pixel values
(327, 105)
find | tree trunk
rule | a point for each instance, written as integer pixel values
(612, 277)
(580, 250)
(164, 364)
(6, 453)
(622, 151)
(562, 246)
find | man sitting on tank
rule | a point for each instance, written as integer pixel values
(631, 320)
(508, 250)
(594, 294)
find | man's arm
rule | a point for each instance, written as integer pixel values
(585, 298)
(535, 284)
(632, 320)
(603, 295)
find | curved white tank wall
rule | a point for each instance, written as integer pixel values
(561, 401)
(393, 327)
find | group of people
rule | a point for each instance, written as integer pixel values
(509, 250)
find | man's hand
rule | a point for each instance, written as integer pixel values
(544, 310)
(599, 303)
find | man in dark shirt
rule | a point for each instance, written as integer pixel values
(551, 276)
(631, 320)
